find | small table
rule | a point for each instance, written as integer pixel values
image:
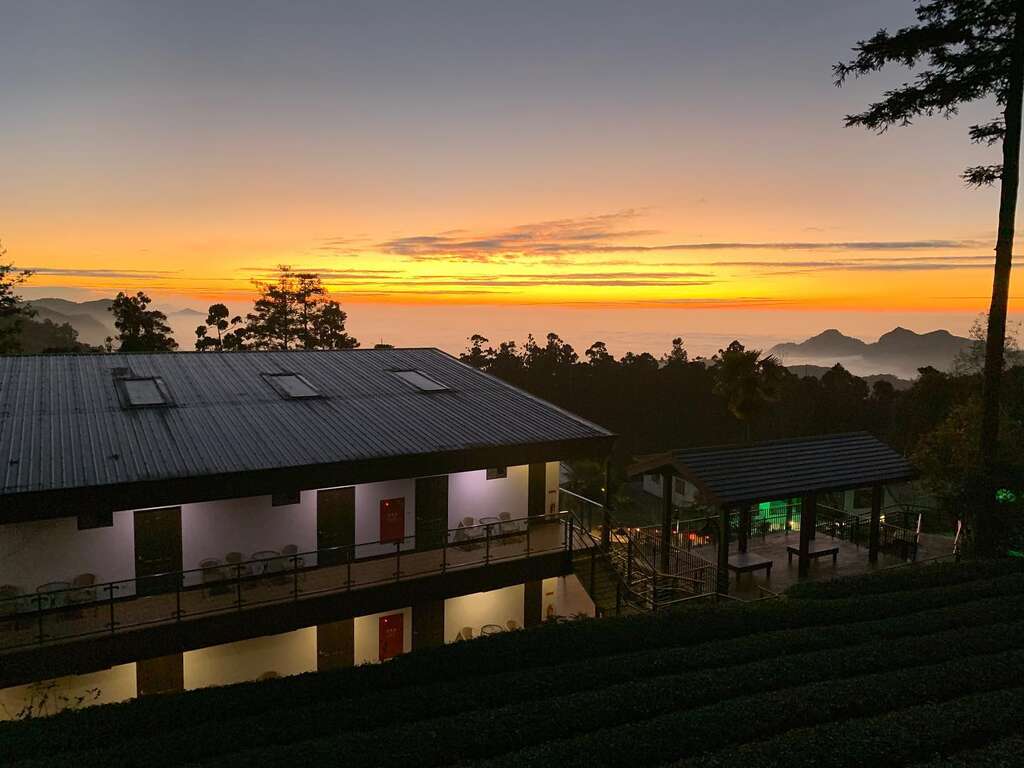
(53, 594)
(493, 524)
(815, 551)
(267, 558)
(491, 629)
(744, 562)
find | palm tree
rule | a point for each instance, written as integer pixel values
(747, 381)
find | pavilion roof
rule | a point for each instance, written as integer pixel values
(776, 469)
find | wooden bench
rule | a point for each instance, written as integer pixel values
(815, 551)
(744, 562)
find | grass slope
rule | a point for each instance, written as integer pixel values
(916, 666)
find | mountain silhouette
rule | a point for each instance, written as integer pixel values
(900, 351)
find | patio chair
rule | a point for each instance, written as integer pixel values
(461, 537)
(212, 573)
(290, 551)
(512, 625)
(9, 603)
(237, 562)
(466, 633)
(84, 585)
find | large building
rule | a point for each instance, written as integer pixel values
(155, 507)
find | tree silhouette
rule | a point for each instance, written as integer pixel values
(475, 355)
(293, 312)
(747, 381)
(229, 334)
(140, 329)
(963, 51)
(13, 311)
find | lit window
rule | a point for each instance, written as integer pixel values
(143, 392)
(496, 473)
(292, 385)
(421, 381)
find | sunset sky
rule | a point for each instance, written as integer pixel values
(678, 155)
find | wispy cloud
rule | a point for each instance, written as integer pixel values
(127, 274)
(608, 233)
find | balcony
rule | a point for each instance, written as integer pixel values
(64, 613)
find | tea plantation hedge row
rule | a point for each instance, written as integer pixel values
(698, 687)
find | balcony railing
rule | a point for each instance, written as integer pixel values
(111, 607)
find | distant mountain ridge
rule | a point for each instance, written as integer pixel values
(93, 321)
(900, 351)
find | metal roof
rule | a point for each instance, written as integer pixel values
(776, 469)
(64, 423)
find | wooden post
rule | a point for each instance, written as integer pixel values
(533, 604)
(808, 513)
(744, 532)
(723, 550)
(606, 522)
(666, 519)
(876, 522)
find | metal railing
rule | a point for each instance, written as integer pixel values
(110, 607)
(632, 556)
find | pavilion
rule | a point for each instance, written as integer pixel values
(734, 477)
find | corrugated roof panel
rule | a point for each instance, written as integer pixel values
(62, 424)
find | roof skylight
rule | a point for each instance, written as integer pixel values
(292, 385)
(143, 392)
(421, 381)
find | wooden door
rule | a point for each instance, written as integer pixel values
(431, 511)
(391, 637)
(164, 674)
(335, 524)
(157, 550)
(392, 519)
(335, 645)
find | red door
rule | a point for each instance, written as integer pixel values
(391, 634)
(392, 519)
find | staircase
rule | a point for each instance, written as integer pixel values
(602, 581)
(620, 576)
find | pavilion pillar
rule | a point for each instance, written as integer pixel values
(744, 532)
(876, 523)
(666, 521)
(808, 515)
(723, 550)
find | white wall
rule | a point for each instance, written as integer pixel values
(551, 477)
(471, 494)
(212, 529)
(55, 550)
(291, 653)
(368, 499)
(494, 607)
(565, 596)
(104, 687)
(367, 630)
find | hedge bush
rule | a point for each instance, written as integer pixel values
(737, 721)
(997, 754)
(483, 733)
(893, 739)
(905, 578)
(144, 728)
(588, 640)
